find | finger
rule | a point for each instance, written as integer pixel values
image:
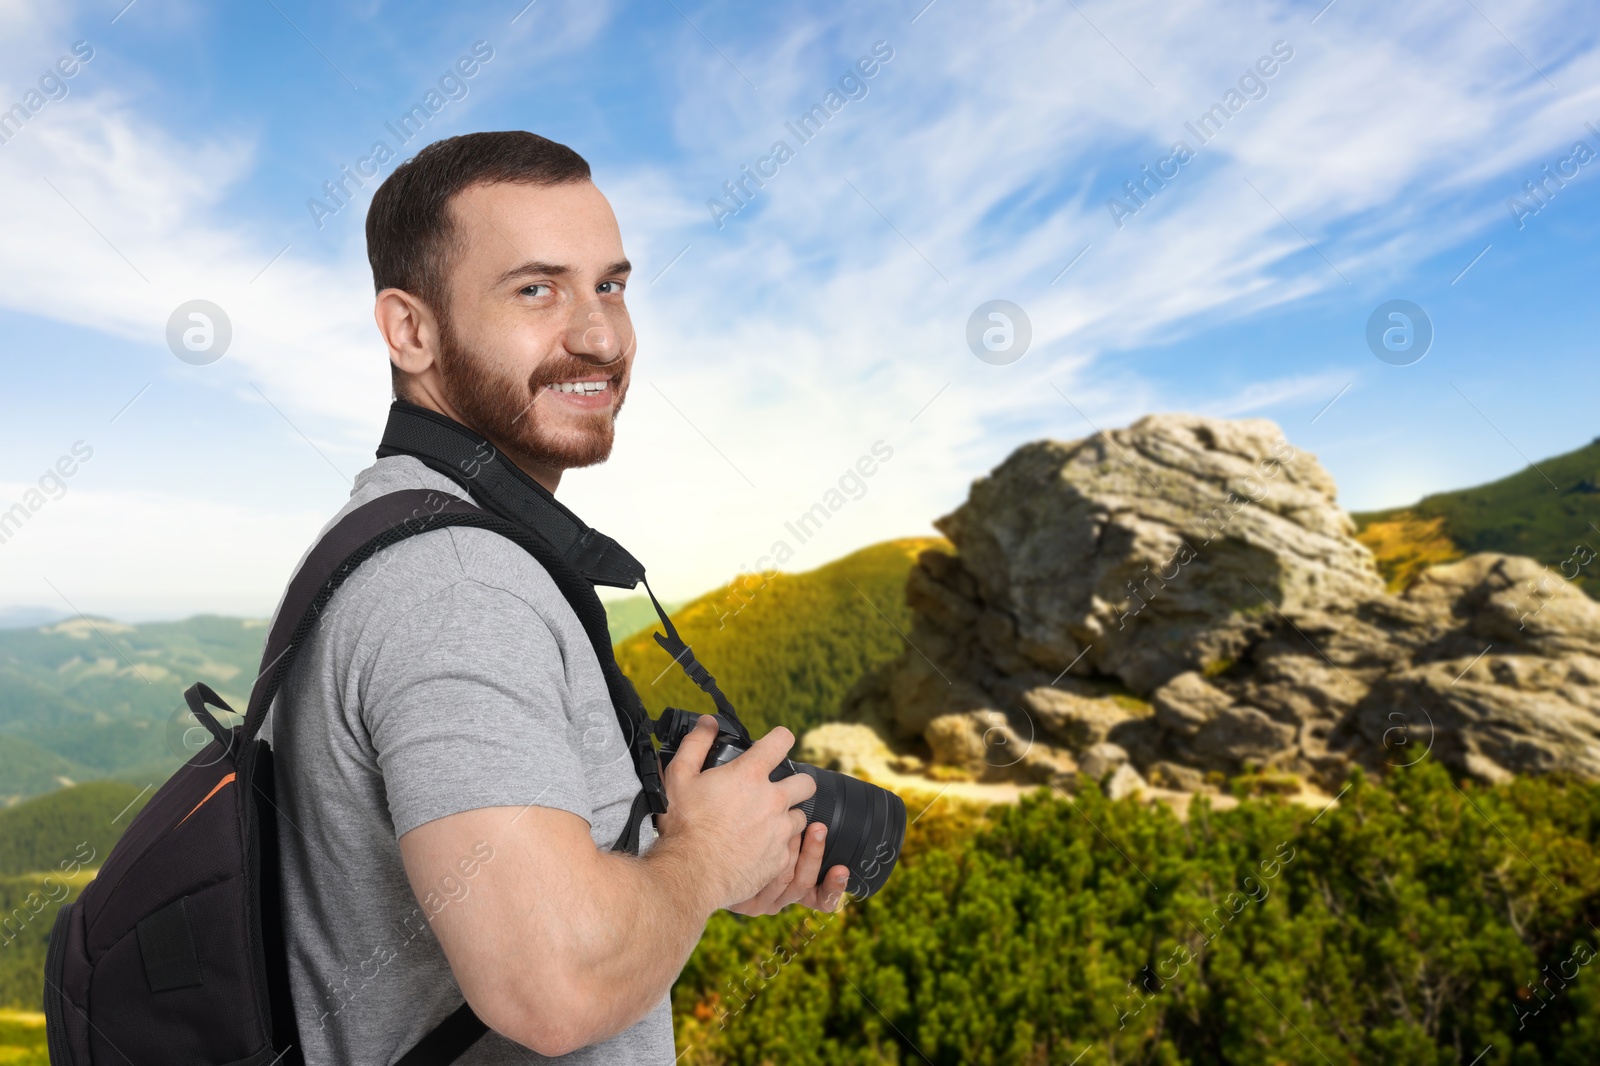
(810, 864)
(769, 751)
(767, 901)
(797, 819)
(832, 888)
(692, 750)
(797, 788)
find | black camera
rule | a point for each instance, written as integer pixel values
(866, 824)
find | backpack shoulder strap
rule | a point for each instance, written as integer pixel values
(355, 538)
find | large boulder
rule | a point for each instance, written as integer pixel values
(1147, 551)
(1188, 591)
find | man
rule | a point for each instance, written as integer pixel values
(450, 770)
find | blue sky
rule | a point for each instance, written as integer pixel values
(1375, 163)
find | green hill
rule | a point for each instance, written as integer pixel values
(39, 834)
(89, 699)
(86, 700)
(1524, 514)
(786, 650)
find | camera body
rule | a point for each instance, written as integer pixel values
(866, 824)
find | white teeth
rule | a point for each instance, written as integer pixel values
(578, 386)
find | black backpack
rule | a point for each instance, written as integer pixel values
(174, 953)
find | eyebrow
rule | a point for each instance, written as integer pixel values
(556, 270)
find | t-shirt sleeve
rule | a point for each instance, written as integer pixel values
(465, 700)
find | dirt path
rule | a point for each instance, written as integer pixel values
(872, 762)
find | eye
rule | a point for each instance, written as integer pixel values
(527, 290)
(615, 287)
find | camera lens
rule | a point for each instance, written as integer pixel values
(866, 827)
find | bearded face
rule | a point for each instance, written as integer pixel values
(562, 415)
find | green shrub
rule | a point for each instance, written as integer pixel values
(1412, 924)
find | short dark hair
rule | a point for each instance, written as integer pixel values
(410, 232)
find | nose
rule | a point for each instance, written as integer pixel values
(597, 334)
(599, 331)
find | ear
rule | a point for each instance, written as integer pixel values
(410, 331)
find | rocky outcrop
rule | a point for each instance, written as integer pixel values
(1187, 592)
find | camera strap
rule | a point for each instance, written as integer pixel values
(587, 558)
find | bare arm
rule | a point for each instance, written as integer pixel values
(558, 944)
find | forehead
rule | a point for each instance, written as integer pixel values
(501, 225)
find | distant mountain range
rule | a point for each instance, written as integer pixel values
(29, 617)
(626, 615)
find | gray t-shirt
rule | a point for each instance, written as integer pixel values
(447, 674)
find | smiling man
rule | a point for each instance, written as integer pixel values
(450, 769)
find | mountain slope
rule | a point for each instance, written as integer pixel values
(1549, 511)
(49, 849)
(786, 650)
(80, 823)
(88, 699)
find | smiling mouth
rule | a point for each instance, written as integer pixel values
(581, 387)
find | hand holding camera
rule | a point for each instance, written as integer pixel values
(746, 824)
(861, 826)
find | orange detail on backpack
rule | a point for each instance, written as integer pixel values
(213, 792)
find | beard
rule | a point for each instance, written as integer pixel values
(502, 407)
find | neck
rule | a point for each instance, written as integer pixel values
(463, 455)
(425, 396)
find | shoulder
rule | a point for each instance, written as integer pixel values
(427, 566)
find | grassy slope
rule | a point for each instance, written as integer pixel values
(1519, 515)
(22, 1039)
(786, 651)
(89, 700)
(40, 833)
